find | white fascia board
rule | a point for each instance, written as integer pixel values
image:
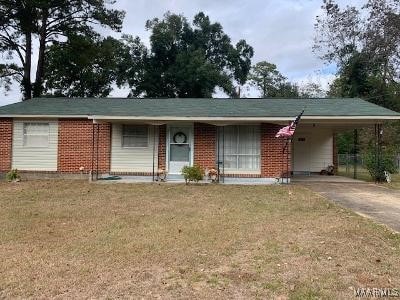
(45, 116)
(244, 119)
(174, 118)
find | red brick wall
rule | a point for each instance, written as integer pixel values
(273, 161)
(75, 146)
(162, 140)
(6, 128)
(205, 139)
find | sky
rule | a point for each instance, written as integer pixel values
(280, 31)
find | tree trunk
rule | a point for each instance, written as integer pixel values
(26, 81)
(40, 71)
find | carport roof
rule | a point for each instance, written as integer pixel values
(114, 108)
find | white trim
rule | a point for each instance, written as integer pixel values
(46, 116)
(176, 118)
(242, 119)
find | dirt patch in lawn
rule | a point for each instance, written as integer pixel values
(70, 239)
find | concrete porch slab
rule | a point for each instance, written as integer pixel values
(324, 178)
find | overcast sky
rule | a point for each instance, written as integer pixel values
(281, 31)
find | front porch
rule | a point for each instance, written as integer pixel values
(174, 179)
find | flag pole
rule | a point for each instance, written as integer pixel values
(287, 132)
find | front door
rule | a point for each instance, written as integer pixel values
(180, 152)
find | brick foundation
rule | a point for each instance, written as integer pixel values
(75, 146)
(205, 140)
(273, 161)
(6, 129)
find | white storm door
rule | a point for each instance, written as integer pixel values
(180, 148)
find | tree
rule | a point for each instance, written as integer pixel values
(364, 44)
(338, 33)
(190, 60)
(270, 82)
(312, 90)
(47, 21)
(84, 66)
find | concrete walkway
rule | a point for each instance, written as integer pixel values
(370, 200)
(322, 178)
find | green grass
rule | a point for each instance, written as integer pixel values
(71, 239)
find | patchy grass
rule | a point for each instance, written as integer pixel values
(70, 239)
(395, 181)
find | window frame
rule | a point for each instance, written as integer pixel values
(237, 155)
(129, 135)
(25, 135)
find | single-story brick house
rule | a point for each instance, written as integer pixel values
(137, 137)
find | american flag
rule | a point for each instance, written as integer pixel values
(288, 131)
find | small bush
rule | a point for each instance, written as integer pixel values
(377, 167)
(194, 173)
(13, 175)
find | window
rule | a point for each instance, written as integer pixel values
(135, 136)
(242, 148)
(36, 135)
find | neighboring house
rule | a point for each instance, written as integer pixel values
(139, 136)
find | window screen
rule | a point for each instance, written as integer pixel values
(135, 136)
(36, 135)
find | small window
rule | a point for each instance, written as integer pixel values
(36, 135)
(135, 136)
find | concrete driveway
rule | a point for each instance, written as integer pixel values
(370, 200)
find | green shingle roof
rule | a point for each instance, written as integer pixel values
(195, 107)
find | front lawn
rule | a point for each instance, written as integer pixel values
(72, 239)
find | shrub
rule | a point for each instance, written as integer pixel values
(13, 175)
(377, 167)
(194, 173)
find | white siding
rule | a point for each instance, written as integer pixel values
(34, 158)
(132, 159)
(316, 152)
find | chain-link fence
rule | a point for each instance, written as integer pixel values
(351, 165)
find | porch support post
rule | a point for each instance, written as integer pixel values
(355, 151)
(223, 154)
(218, 158)
(97, 152)
(154, 148)
(376, 138)
(92, 168)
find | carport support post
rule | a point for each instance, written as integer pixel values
(218, 151)
(92, 169)
(154, 148)
(380, 133)
(97, 151)
(355, 151)
(223, 154)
